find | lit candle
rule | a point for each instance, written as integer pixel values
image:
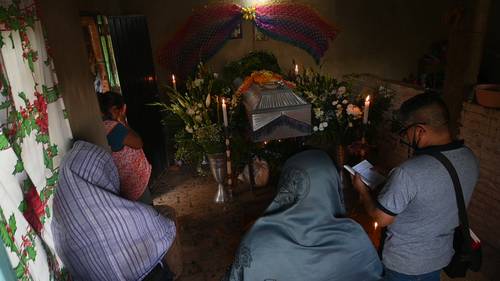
(367, 110)
(375, 225)
(296, 70)
(224, 112)
(174, 84)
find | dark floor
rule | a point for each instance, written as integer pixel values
(210, 233)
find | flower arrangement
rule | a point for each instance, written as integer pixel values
(198, 110)
(337, 114)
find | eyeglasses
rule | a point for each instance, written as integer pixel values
(403, 130)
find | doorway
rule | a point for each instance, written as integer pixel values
(121, 60)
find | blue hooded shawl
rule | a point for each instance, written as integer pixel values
(303, 234)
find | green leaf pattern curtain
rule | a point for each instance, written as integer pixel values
(34, 135)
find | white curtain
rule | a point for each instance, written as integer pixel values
(35, 134)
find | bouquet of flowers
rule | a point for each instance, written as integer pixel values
(337, 114)
(198, 111)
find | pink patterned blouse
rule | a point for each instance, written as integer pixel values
(133, 167)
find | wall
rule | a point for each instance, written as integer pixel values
(490, 66)
(61, 20)
(385, 38)
(62, 23)
(481, 131)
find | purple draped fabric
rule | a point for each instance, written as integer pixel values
(98, 234)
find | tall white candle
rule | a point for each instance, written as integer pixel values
(224, 112)
(366, 110)
(174, 84)
(296, 69)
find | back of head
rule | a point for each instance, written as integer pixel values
(109, 100)
(309, 183)
(90, 164)
(428, 109)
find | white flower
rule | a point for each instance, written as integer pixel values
(197, 82)
(345, 101)
(318, 113)
(339, 106)
(198, 118)
(216, 75)
(189, 129)
(199, 105)
(321, 128)
(315, 128)
(325, 124)
(335, 102)
(207, 101)
(342, 90)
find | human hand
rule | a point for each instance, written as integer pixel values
(358, 184)
(122, 117)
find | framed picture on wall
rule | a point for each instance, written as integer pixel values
(237, 32)
(258, 35)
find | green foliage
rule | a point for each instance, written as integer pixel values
(50, 94)
(23, 206)
(42, 138)
(18, 168)
(47, 160)
(195, 116)
(4, 142)
(336, 110)
(254, 61)
(5, 104)
(53, 179)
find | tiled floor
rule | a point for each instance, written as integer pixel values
(210, 233)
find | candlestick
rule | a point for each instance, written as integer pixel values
(224, 113)
(174, 84)
(366, 110)
(296, 69)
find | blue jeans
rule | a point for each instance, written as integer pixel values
(396, 276)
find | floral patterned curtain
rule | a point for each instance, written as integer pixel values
(34, 134)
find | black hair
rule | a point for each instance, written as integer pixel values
(427, 108)
(107, 100)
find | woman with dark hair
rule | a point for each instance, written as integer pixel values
(304, 234)
(126, 146)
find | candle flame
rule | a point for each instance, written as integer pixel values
(367, 98)
(223, 101)
(296, 68)
(375, 225)
(173, 78)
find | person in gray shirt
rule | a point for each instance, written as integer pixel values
(418, 203)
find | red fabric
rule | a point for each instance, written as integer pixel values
(133, 168)
(34, 209)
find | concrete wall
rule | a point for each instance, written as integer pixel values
(62, 22)
(385, 38)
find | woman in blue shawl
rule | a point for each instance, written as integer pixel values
(98, 234)
(303, 235)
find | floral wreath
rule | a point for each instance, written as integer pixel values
(259, 77)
